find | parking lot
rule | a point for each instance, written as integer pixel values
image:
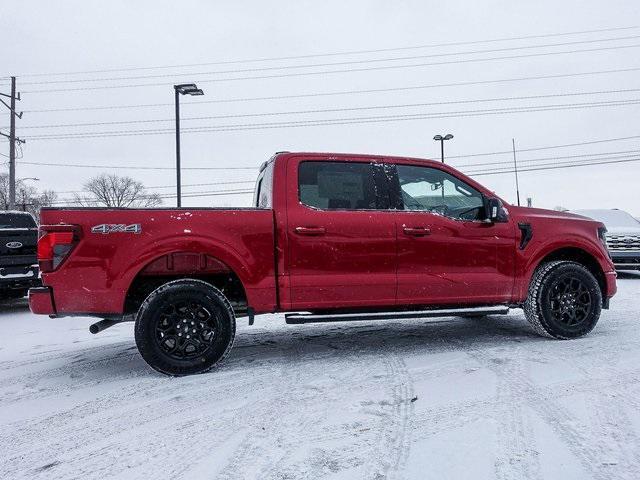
(437, 398)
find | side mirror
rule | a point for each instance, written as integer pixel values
(494, 211)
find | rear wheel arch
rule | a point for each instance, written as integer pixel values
(186, 265)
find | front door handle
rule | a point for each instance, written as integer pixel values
(310, 231)
(416, 231)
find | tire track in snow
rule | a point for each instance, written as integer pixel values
(575, 436)
(392, 451)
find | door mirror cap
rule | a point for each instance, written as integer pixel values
(494, 211)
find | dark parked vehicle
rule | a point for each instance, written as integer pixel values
(18, 262)
(623, 236)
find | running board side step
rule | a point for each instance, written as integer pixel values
(300, 318)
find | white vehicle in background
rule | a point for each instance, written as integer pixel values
(623, 236)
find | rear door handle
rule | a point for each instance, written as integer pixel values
(310, 231)
(416, 231)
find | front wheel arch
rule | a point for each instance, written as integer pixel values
(569, 254)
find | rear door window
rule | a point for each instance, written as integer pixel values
(341, 186)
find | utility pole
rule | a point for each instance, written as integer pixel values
(515, 169)
(12, 140)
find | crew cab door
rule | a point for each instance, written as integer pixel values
(446, 254)
(341, 238)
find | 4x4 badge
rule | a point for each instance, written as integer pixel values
(106, 228)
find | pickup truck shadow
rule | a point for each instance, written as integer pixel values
(309, 342)
(261, 345)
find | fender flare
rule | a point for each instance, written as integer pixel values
(550, 247)
(224, 253)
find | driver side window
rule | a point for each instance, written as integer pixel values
(435, 191)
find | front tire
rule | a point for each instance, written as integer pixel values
(564, 300)
(185, 327)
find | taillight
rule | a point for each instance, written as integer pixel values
(55, 244)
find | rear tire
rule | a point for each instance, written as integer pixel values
(564, 300)
(185, 327)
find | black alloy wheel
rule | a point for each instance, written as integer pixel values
(184, 327)
(564, 300)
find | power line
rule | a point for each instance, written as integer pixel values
(337, 71)
(188, 195)
(331, 64)
(536, 162)
(340, 121)
(554, 167)
(581, 155)
(591, 142)
(173, 186)
(343, 92)
(130, 167)
(330, 54)
(334, 110)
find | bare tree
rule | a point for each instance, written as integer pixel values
(111, 190)
(28, 198)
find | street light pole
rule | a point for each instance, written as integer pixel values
(178, 185)
(441, 139)
(182, 89)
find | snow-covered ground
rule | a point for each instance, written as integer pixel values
(443, 399)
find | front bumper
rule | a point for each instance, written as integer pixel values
(41, 301)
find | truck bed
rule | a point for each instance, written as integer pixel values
(117, 246)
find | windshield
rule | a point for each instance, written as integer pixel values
(611, 218)
(16, 220)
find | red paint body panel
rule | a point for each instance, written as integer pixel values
(457, 263)
(41, 301)
(96, 276)
(340, 258)
(352, 263)
(555, 231)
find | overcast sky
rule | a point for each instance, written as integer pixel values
(43, 37)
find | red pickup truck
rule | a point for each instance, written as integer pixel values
(330, 237)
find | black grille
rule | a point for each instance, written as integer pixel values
(623, 242)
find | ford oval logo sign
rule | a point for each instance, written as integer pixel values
(14, 245)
